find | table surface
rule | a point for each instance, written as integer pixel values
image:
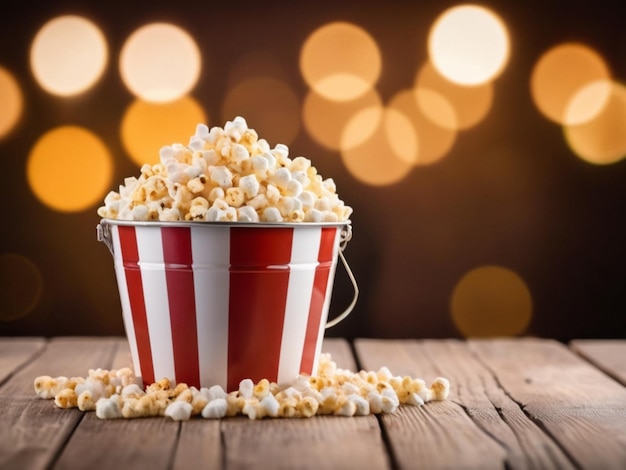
(514, 403)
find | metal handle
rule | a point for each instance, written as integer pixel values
(346, 235)
(104, 235)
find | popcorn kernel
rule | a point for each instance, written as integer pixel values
(215, 161)
(116, 394)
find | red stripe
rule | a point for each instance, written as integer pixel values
(130, 257)
(259, 278)
(178, 260)
(318, 296)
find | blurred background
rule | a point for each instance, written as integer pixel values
(481, 146)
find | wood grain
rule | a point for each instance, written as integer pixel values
(72, 356)
(248, 442)
(608, 355)
(582, 409)
(514, 403)
(340, 352)
(15, 352)
(120, 443)
(438, 434)
(33, 430)
(322, 442)
(480, 394)
(122, 357)
(245, 442)
(199, 445)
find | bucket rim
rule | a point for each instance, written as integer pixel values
(197, 223)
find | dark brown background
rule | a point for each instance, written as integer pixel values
(509, 193)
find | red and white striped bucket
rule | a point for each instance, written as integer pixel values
(214, 303)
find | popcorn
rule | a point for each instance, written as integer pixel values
(333, 391)
(270, 405)
(233, 166)
(271, 214)
(215, 409)
(86, 401)
(47, 387)
(362, 406)
(66, 398)
(246, 388)
(214, 393)
(179, 410)
(440, 388)
(109, 408)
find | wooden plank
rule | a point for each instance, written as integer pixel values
(133, 443)
(33, 430)
(122, 356)
(476, 389)
(72, 356)
(120, 443)
(438, 434)
(246, 442)
(580, 407)
(322, 442)
(340, 352)
(607, 355)
(199, 445)
(14, 352)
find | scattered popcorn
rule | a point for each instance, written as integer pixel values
(213, 393)
(179, 410)
(215, 409)
(333, 391)
(86, 401)
(109, 408)
(66, 398)
(227, 174)
(47, 387)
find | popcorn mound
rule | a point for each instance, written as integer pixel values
(227, 174)
(334, 391)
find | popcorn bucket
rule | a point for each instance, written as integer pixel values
(212, 303)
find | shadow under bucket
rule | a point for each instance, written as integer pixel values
(213, 303)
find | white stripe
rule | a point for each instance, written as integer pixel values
(127, 314)
(155, 294)
(325, 308)
(210, 246)
(304, 253)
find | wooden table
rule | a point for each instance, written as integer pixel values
(514, 403)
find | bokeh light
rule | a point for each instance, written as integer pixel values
(12, 102)
(361, 126)
(436, 108)
(559, 74)
(69, 169)
(160, 62)
(325, 120)
(434, 141)
(469, 44)
(68, 55)
(146, 127)
(588, 102)
(374, 162)
(470, 104)
(491, 301)
(269, 105)
(21, 285)
(602, 140)
(340, 61)
(403, 139)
